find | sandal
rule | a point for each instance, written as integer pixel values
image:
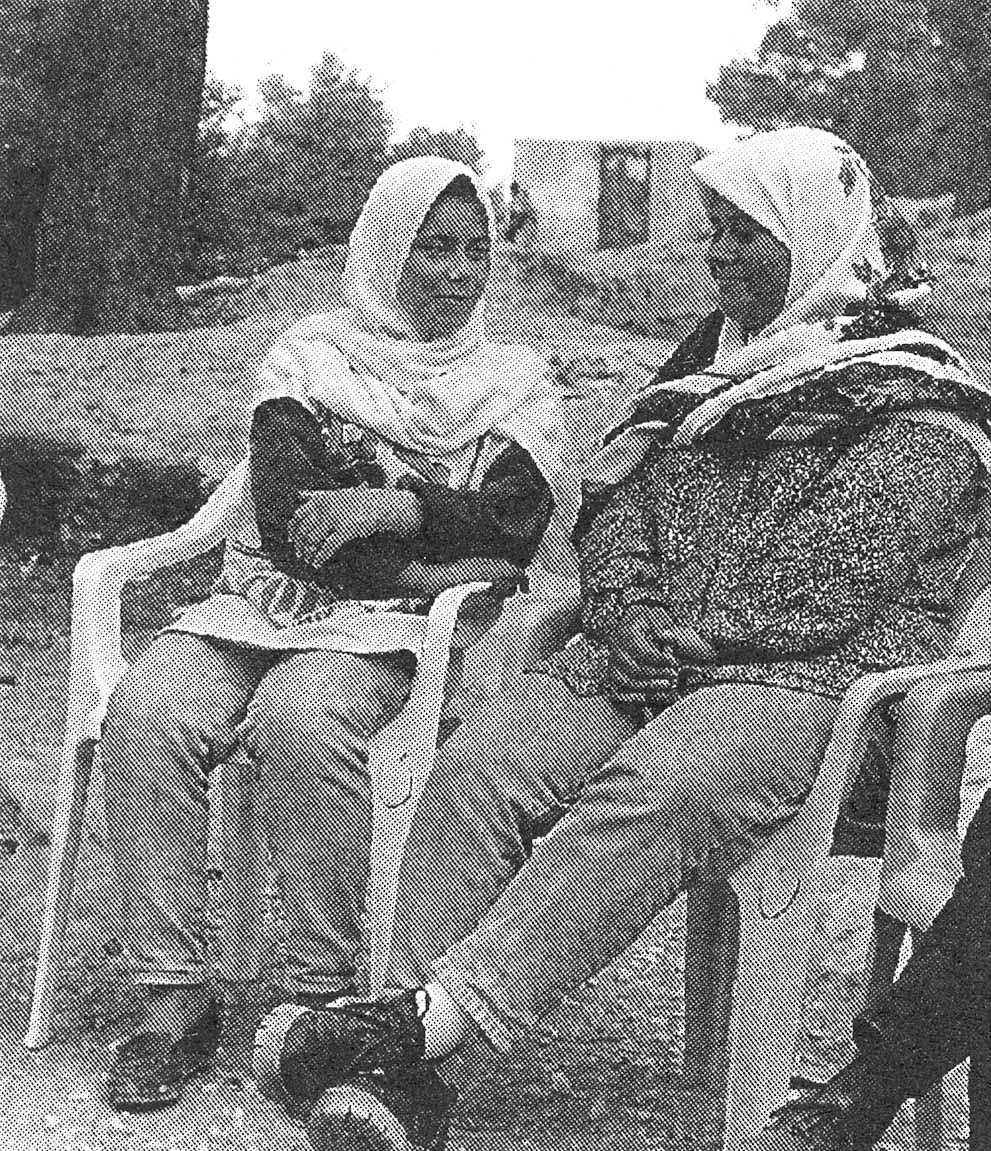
(151, 1068)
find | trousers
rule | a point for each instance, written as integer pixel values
(303, 721)
(552, 831)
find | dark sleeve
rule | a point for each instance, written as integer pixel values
(695, 352)
(901, 494)
(504, 519)
(287, 456)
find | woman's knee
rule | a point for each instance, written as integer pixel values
(720, 752)
(531, 721)
(146, 705)
(157, 704)
(300, 722)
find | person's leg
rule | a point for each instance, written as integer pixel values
(503, 779)
(700, 785)
(307, 729)
(493, 938)
(171, 718)
(936, 1012)
(506, 774)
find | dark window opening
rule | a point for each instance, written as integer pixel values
(624, 195)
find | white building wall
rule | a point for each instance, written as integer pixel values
(562, 178)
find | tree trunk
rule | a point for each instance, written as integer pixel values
(974, 186)
(24, 190)
(130, 87)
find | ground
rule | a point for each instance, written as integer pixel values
(605, 1069)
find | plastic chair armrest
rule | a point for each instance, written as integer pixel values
(974, 635)
(96, 662)
(860, 707)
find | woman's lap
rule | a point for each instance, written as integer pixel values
(189, 704)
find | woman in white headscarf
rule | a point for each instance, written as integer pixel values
(395, 451)
(786, 507)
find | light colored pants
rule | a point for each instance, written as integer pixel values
(624, 819)
(304, 721)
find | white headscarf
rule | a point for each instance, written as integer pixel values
(815, 195)
(365, 364)
(812, 192)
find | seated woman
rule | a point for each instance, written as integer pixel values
(394, 452)
(785, 509)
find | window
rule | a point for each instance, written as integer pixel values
(624, 195)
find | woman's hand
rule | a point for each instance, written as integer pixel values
(687, 643)
(647, 650)
(640, 662)
(327, 521)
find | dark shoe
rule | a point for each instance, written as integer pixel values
(243, 1010)
(849, 1113)
(150, 1069)
(300, 1052)
(404, 1110)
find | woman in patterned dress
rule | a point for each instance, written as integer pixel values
(785, 509)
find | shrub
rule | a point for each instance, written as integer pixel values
(61, 504)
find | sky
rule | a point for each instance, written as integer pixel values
(544, 68)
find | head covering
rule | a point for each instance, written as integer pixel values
(815, 195)
(365, 363)
(849, 250)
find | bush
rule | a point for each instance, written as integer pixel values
(61, 504)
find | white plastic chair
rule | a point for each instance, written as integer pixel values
(744, 1039)
(401, 755)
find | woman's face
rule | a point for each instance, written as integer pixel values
(751, 268)
(447, 268)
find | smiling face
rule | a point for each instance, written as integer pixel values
(751, 268)
(447, 268)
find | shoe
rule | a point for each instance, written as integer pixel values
(849, 1113)
(399, 1110)
(301, 1052)
(151, 1068)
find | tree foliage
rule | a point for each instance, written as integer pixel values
(459, 145)
(907, 82)
(261, 180)
(296, 173)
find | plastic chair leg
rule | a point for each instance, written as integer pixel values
(887, 937)
(67, 832)
(711, 959)
(767, 1010)
(929, 1119)
(979, 1095)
